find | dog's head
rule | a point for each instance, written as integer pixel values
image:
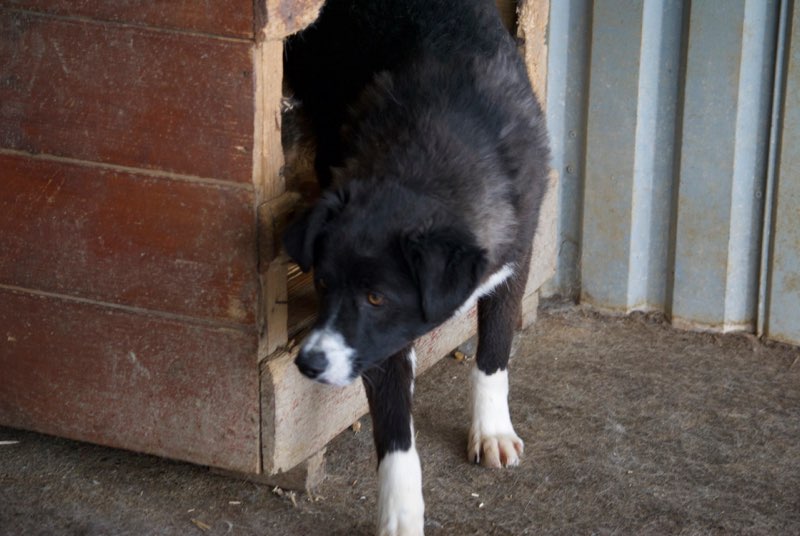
(384, 273)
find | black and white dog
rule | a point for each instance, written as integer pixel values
(432, 151)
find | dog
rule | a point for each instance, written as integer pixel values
(432, 152)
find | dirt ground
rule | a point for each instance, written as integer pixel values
(630, 427)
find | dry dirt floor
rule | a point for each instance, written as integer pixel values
(630, 427)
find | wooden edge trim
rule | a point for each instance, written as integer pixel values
(299, 417)
(276, 19)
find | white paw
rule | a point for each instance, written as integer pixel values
(499, 450)
(492, 441)
(401, 509)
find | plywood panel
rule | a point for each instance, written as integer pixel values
(127, 96)
(178, 246)
(232, 18)
(128, 380)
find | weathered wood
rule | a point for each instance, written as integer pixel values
(299, 416)
(285, 18)
(127, 96)
(273, 203)
(233, 18)
(305, 476)
(543, 261)
(182, 247)
(534, 16)
(530, 309)
(130, 380)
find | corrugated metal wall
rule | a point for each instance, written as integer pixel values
(676, 193)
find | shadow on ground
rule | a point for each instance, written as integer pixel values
(630, 428)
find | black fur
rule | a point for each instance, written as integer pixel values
(388, 390)
(433, 149)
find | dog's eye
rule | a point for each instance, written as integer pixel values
(321, 284)
(375, 299)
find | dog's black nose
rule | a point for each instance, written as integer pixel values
(312, 363)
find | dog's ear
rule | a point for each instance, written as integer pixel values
(447, 265)
(301, 235)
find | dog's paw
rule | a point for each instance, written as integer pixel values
(401, 508)
(495, 450)
(492, 441)
(408, 522)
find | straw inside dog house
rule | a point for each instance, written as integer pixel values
(145, 302)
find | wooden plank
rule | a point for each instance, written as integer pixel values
(307, 476)
(232, 18)
(285, 18)
(182, 247)
(532, 26)
(127, 96)
(545, 241)
(273, 203)
(129, 380)
(300, 416)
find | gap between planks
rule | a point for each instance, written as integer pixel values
(128, 25)
(141, 311)
(150, 173)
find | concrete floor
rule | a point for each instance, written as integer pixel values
(630, 428)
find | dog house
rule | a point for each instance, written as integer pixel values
(145, 302)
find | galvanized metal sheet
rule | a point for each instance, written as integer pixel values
(629, 161)
(664, 210)
(567, 86)
(783, 322)
(723, 163)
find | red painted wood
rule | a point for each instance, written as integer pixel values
(129, 380)
(126, 95)
(233, 18)
(177, 246)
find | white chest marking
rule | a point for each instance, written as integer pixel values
(486, 287)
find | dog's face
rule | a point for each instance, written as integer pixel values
(384, 277)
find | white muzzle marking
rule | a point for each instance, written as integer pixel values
(339, 369)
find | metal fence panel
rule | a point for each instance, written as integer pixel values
(663, 151)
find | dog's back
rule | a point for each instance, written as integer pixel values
(431, 94)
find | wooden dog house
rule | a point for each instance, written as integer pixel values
(144, 299)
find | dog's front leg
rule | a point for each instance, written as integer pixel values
(492, 440)
(390, 387)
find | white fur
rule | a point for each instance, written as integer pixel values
(339, 370)
(492, 440)
(401, 508)
(412, 358)
(486, 287)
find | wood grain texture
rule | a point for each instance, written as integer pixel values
(127, 96)
(128, 380)
(285, 17)
(545, 241)
(232, 18)
(532, 25)
(301, 416)
(181, 247)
